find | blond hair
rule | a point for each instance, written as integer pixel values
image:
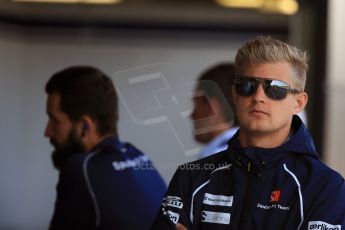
(266, 49)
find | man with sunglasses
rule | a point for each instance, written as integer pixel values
(270, 177)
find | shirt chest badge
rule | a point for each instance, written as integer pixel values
(273, 202)
(275, 196)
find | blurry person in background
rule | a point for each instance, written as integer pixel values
(213, 118)
(102, 182)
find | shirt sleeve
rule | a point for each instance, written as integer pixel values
(175, 205)
(328, 212)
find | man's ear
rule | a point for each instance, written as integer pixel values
(86, 125)
(301, 102)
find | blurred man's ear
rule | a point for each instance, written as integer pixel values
(88, 133)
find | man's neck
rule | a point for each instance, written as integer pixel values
(95, 140)
(264, 140)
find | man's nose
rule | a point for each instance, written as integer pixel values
(47, 131)
(192, 114)
(259, 94)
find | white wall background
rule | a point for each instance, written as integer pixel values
(335, 124)
(29, 57)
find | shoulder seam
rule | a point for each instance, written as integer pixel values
(89, 187)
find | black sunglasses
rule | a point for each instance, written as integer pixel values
(274, 89)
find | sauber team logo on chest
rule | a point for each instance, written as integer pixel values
(275, 196)
(273, 202)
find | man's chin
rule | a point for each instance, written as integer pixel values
(72, 146)
(201, 138)
(59, 157)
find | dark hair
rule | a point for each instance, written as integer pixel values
(85, 90)
(223, 75)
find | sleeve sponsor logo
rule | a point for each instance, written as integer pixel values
(215, 217)
(320, 225)
(218, 200)
(173, 216)
(173, 201)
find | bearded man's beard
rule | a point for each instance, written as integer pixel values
(72, 146)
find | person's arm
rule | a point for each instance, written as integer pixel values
(329, 211)
(175, 206)
(73, 207)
